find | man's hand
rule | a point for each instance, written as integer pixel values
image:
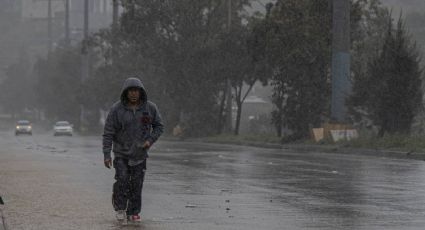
(108, 163)
(146, 145)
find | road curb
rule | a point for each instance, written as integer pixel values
(336, 149)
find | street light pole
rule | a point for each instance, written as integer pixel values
(85, 64)
(115, 5)
(84, 60)
(49, 27)
(114, 28)
(229, 13)
(67, 38)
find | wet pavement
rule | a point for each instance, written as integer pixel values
(60, 183)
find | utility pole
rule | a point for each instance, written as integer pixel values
(85, 50)
(341, 81)
(114, 28)
(228, 122)
(67, 38)
(105, 7)
(115, 5)
(49, 27)
(229, 14)
(84, 60)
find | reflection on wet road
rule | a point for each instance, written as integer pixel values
(60, 183)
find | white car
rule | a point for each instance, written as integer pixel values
(63, 128)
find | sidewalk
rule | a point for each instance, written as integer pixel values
(2, 220)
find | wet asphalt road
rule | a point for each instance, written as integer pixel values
(60, 183)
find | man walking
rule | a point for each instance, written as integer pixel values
(132, 126)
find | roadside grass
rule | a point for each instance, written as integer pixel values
(243, 138)
(411, 143)
(414, 143)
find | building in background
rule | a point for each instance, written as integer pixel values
(24, 23)
(24, 29)
(9, 18)
(100, 15)
(38, 9)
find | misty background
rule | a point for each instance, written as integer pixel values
(27, 51)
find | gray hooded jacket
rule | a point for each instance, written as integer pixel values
(127, 129)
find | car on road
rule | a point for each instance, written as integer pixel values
(63, 128)
(23, 127)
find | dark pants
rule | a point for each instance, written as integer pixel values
(127, 190)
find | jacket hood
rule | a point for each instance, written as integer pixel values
(133, 82)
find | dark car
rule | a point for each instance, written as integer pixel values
(23, 127)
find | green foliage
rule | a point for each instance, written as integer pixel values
(184, 52)
(297, 47)
(391, 93)
(178, 49)
(16, 90)
(295, 37)
(394, 141)
(367, 34)
(415, 22)
(242, 65)
(59, 89)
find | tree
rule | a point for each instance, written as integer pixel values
(298, 53)
(368, 29)
(59, 88)
(175, 47)
(237, 63)
(247, 61)
(297, 39)
(391, 91)
(16, 89)
(10, 24)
